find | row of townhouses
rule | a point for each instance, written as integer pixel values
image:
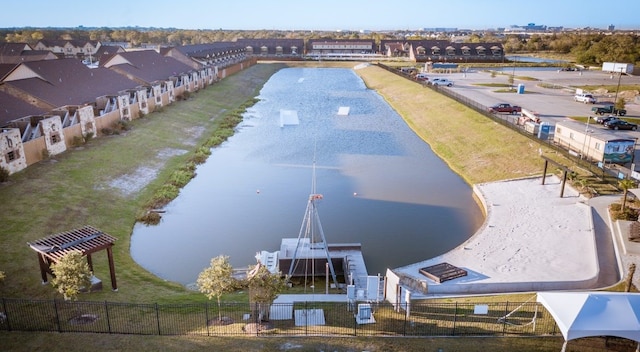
(57, 91)
(417, 50)
(48, 102)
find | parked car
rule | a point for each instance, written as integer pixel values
(504, 107)
(602, 119)
(615, 124)
(608, 109)
(441, 82)
(585, 98)
(422, 76)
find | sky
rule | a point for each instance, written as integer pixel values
(320, 15)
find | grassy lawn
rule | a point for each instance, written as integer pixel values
(611, 87)
(20, 341)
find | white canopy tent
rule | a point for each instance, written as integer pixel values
(585, 314)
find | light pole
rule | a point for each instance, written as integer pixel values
(513, 75)
(615, 100)
(584, 143)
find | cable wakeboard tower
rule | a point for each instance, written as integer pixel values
(311, 232)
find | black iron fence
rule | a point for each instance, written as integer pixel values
(290, 319)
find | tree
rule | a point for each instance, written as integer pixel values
(626, 185)
(264, 287)
(217, 280)
(71, 274)
(620, 104)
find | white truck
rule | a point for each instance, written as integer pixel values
(617, 67)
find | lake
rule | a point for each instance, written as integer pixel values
(382, 185)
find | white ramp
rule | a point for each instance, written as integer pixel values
(289, 118)
(343, 110)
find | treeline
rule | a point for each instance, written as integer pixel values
(163, 36)
(585, 48)
(589, 49)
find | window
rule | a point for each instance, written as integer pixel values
(12, 155)
(598, 146)
(55, 138)
(571, 135)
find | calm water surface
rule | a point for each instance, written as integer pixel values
(382, 185)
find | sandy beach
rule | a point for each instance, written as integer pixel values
(532, 240)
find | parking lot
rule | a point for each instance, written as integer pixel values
(552, 104)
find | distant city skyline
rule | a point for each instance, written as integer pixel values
(327, 15)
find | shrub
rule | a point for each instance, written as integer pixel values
(150, 218)
(180, 178)
(77, 141)
(71, 274)
(122, 125)
(4, 174)
(629, 214)
(107, 131)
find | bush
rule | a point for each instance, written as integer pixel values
(180, 178)
(45, 154)
(107, 131)
(150, 218)
(122, 125)
(629, 214)
(4, 174)
(77, 141)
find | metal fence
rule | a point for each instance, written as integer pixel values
(290, 319)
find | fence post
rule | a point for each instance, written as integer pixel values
(404, 328)
(206, 315)
(158, 319)
(256, 318)
(455, 317)
(306, 321)
(55, 307)
(355, 324)
(6, 313)
(106, 312)
(504, 321)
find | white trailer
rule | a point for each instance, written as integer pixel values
(617, 67)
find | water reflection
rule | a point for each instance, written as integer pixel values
(382, 185)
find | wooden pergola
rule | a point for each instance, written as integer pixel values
(86, 240)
